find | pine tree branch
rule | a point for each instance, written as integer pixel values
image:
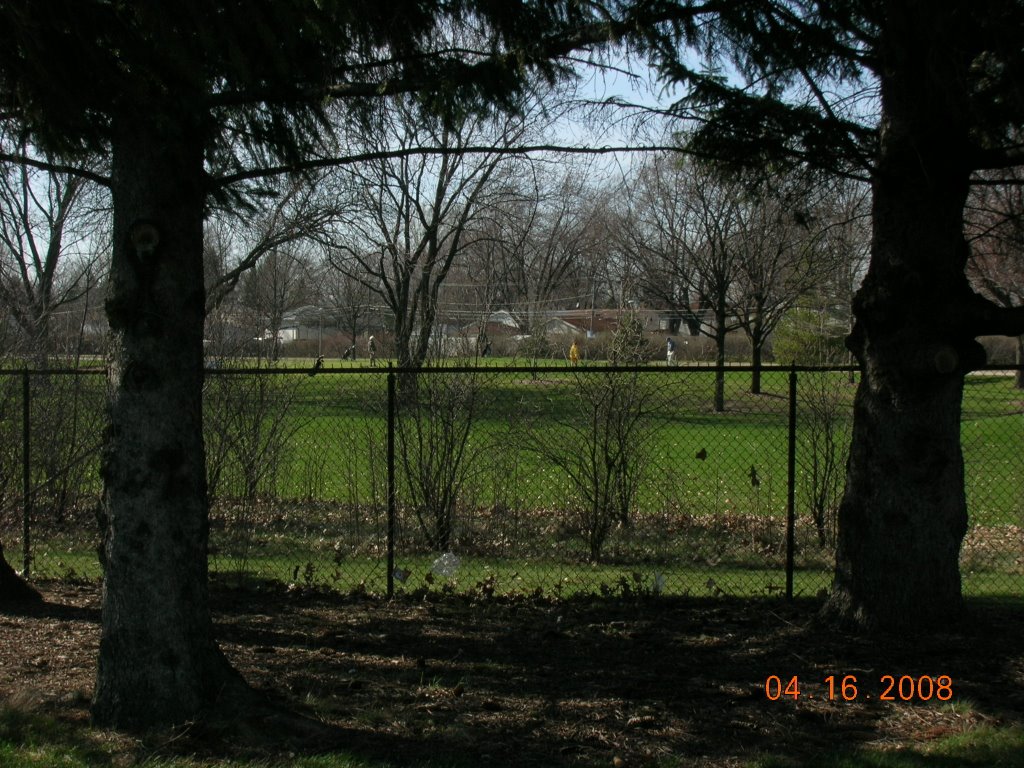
(44, 165)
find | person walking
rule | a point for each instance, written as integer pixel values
(371, 348)
(670, 353)
(574, 354)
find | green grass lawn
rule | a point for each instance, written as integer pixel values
(336, 437)
(339, 425)
(555, 574)
(985, 747)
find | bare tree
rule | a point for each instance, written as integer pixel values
(249, 428)
(52, 239)
(407, 218)
(614, 275)
(236, 239)
(546, 225)
(437, 451)
(657, 237)
(774, 266)
(477, 287)
(351, 303)
(279, 282)
(824, 427)
(710, 228)
(287, 219)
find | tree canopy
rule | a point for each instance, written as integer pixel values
(263, 74)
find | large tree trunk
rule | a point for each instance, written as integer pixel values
(757, 340)
(720, 338)
(158, 663)
(904, 514)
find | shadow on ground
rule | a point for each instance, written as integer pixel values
(648, 681)
(514, 682)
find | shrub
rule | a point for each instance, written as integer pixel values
(809, 337)
(600, 444)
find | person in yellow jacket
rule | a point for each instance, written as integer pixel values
(574, 354)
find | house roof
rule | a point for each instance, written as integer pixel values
(503, 317)
(557, 326)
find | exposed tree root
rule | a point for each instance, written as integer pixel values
(13, 588)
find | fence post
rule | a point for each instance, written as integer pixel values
(791, 485)
(391, 482)
(26, 476)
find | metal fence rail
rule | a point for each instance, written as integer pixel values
(613, 480)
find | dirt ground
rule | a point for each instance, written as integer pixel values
(523, 682)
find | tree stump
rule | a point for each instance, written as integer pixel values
(13, 588)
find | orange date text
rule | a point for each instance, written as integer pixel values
(848, 688)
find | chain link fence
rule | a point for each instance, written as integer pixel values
(550, 480)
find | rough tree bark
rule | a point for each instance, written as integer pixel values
(158, 662)
(904, 513)
(719, 336)
(757, 337)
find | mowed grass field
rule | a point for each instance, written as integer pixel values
(336, 427)
(339, 427)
